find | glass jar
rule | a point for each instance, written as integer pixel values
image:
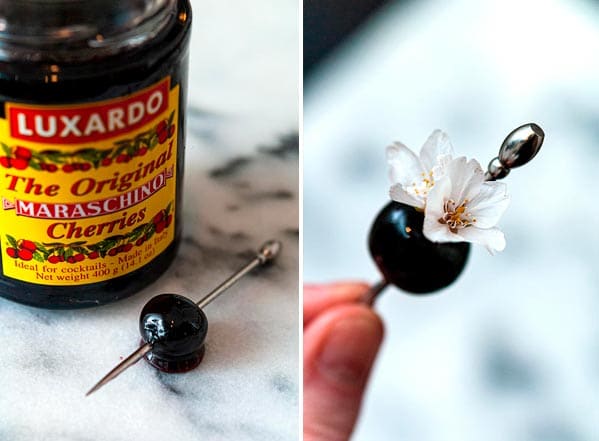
(92, 142)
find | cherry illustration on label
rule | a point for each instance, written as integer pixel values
(87, 158)
(78, 251)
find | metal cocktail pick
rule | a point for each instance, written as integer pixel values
(519, 147)
(267, 252)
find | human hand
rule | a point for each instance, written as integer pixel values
(341, 340)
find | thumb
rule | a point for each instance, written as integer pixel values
(340, 346)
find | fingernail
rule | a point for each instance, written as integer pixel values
(349, 350)
(347, 289)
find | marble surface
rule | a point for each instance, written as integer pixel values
(241, 188)
(511, 350)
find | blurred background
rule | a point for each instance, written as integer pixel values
(511, 350)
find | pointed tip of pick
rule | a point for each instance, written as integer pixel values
(89, 392)
(122, 366)
(98, 385)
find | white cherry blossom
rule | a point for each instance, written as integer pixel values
(462, 206)
(412, 176)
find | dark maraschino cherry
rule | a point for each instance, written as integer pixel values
(176, 328)
(173, 327)
(409, 260)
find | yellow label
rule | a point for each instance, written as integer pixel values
(88, 191)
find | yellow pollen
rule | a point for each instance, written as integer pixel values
(422, 188)
(456, 216)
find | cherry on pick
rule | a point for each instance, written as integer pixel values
(409, 260)
(173, 327)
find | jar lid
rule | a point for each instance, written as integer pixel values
(76, 30)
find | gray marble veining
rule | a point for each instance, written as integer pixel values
(241, 188)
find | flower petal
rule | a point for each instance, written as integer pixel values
(437, 145)
(434, 230)
(466, 178)
(437, 232)
(404, 166)
(442, 163)
(398, 194)
(489, 204)
(492, 238)
(436, 198)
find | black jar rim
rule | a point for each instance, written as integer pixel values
(70, 63)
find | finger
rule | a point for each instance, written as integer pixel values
(318, 298)
(340, 346)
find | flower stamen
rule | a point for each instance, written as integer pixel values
(456, 216)
(422, 187)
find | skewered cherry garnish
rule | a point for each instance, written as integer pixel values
(406, 258)
(176, 327)
(173, 327)
(409, 260)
